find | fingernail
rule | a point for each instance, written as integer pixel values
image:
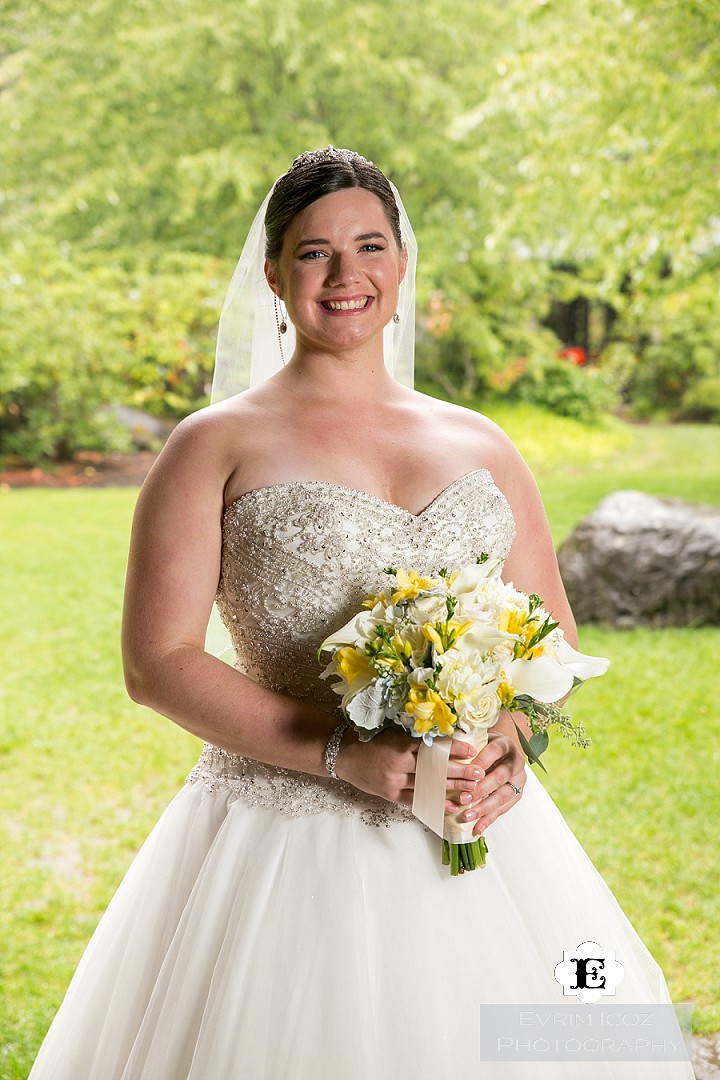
(478, 773)
(471, 815)
(466, 797)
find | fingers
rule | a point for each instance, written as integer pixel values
(494, 795)
(503, 799)
(461, 749)
(500, 748)
(462, 781)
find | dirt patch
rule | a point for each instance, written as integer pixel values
(87, 469)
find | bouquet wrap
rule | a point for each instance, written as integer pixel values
(430, 784)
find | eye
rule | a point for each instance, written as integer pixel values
(311, 256)
(372, 247)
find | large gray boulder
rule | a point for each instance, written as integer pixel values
(640, 560)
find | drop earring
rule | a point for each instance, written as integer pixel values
(281, 324)
(396, 318)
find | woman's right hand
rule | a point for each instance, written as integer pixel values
(386, 766)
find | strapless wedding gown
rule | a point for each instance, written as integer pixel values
(279, 926)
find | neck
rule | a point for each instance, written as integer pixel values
(351, 376)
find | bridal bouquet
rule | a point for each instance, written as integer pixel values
(440, 656)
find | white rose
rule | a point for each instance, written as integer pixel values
(429, 609)
(481, 714)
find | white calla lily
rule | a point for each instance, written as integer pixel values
(361, 628)
(541, 678)
(551, 676)
(471, 578)
(481, 638)
(580, 665)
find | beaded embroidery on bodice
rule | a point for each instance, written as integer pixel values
(298, 561)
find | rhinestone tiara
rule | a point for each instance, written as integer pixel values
(328, 153)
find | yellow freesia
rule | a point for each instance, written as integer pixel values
(353, 664)
(431, 634)
(411, 584)
(454, 630)
(506, 693)
(403, 648)
(373, 599)
(512, 621)
(530, 654)
(428, 709)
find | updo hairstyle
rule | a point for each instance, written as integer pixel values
(317, 173)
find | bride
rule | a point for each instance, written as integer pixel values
(288, 918)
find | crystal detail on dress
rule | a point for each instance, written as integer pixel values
(292, 793)
(298, 560)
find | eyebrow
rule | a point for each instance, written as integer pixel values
(315, 241)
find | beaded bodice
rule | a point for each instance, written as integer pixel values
(298, 561)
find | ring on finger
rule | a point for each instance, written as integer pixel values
(516, 789)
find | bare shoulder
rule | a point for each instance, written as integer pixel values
(204, 449)
(478, 436)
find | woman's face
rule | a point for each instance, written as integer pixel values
(339, 271)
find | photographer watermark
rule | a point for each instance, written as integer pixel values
(591, 1031)
(595, 1032)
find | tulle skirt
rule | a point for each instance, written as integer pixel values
(245, 943)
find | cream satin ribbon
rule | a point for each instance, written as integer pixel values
(431, 784)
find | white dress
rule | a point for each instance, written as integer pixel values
(278, 926)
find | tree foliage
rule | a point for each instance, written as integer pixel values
(545, 149)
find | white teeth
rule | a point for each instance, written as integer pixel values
(346, 305)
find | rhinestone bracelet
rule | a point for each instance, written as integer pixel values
(333, 748)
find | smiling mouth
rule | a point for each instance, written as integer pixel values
(346, 305)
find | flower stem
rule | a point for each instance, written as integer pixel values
(462, 857)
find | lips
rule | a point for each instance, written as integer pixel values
(355, 304)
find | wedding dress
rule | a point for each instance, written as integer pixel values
(279, 926)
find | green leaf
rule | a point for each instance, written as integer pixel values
(530, 753)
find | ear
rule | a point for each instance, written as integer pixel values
(273, 278)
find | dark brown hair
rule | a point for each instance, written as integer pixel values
(317, 173)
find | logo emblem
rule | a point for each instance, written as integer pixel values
(588, 972)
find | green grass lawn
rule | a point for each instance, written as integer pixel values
(86, 772)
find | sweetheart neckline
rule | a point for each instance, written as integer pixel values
(359, 491)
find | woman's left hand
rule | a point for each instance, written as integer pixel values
(503, 764)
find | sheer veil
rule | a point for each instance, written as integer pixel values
(248, 349)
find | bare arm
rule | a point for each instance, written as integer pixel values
(532, 564)
(173, 573)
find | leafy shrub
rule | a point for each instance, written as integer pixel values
(478, 332)
(618, 364)
(702, 401)
(676, 334)
(169, 324)
(58, 365)
(80, 333)
(578, 392)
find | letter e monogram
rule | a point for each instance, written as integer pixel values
(587, 973)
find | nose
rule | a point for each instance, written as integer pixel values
(342, 268)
